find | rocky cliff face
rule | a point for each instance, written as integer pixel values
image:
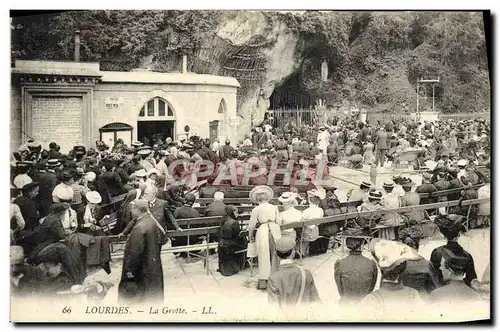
(276, 53)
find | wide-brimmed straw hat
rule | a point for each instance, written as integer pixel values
(318, 192)
(390, 254)
(287, 197)
(93, 197)
(53, 163)
(141, 173)
(261, 190)
(389, 184)
(366, 184)
(375, 194)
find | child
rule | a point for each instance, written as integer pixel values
(373, 174)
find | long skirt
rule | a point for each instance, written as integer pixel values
(230, 262)
(265, 239)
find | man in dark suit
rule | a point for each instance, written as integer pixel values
(142, 272)
(217, 207)
(28, 207)
(187, 211)
(112, 179)
(381, 146)
(47, 184)
(226, 151)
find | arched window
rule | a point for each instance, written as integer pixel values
(222, 106)
(156, 109)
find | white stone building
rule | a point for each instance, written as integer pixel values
(76, 103)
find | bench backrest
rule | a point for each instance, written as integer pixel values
(208, 221)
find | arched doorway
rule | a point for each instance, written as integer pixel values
(156, 117)
(112, 132)
(217, 126)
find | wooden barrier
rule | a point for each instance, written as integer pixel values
(346, 216)
(239, 201)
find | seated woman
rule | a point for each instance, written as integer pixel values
(92, 215)
(309, 244)
(52, 270)
(289, 214)
(373, 205)
(453, 267)
(230, 242)
(327, 230)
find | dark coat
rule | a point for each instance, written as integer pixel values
(113, 182)
(123, 214)
(186, 212)
(455, 248)
(47, 184)
(226, 151)
(420, 275)
(142, 273)
(355, 276)
(216, 208)
(50, 231)
(428, 188)
(158, 211)
(29, 211)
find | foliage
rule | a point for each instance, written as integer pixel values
(374, 58)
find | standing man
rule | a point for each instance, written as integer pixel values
(142, 273)
(48, 182)
(381, 142)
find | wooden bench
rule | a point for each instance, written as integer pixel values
(213, 227)
(114, 203)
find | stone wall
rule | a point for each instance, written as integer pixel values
(15, 117)
(58, 119)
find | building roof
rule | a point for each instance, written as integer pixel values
(62, 68)
(41, 67)
(168, 78)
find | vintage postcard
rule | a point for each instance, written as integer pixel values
(250, 166)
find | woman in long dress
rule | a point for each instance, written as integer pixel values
(264, 219)
(230, 262)
(368, 156)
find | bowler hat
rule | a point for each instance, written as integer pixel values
(30, 186)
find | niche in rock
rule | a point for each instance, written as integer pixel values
(290, 95)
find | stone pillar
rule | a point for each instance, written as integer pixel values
(184, 64)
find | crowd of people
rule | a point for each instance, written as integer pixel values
(60, 204)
